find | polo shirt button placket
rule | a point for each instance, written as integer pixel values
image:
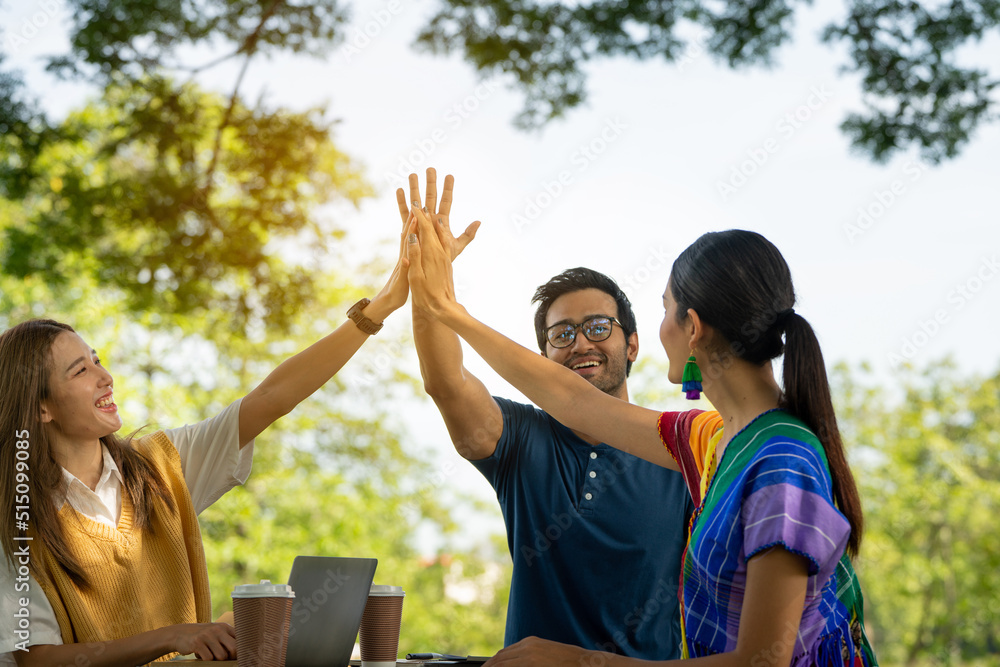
(591, 476)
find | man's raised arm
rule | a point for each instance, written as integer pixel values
(472, 416)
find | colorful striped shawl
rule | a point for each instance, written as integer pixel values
(772, 487)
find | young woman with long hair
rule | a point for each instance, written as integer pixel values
(767, 578)
(106, 568)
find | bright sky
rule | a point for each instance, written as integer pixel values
(888, 260)
(891, 262)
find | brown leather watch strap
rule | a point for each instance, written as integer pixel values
(365, 324)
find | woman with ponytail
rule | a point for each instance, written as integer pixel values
(767, 578)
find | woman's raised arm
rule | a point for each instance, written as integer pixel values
(296, 378)
(556, 389)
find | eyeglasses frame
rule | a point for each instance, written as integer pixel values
(579, 327)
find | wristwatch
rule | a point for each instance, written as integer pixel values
(365, 324)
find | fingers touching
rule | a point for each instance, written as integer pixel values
(427, 232)
(436, 211)
(431, 203)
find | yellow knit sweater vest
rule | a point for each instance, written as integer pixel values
(140, 580)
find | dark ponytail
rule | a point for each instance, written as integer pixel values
(740, 285)
(807, 396)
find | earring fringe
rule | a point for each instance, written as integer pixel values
(692, 379)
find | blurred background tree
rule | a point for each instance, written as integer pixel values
(928, 456)
(917, 89)
(185, 233)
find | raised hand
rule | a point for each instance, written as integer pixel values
(430, 275)
(438, 212)
(397, 287)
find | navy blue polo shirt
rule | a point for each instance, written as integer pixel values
(596, 537)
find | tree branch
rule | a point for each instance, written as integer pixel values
(197, 69)
(249, 48)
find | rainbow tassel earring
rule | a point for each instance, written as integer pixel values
(692, 379)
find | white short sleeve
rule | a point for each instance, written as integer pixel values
(43, 628)
(211, 458)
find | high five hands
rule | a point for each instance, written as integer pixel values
(435, 212)
(430, 252)
(432, 248)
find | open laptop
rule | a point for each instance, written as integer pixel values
(330, 597)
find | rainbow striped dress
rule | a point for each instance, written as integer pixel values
(772, 487)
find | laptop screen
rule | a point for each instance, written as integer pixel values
(330, 597)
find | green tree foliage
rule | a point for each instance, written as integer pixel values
(179, 230)
(356, 491)
(194, 183)
(928, 468)
(335, 477)
(920, 87)
(916, 92)
(135, 176)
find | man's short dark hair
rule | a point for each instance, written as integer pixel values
(574, 280)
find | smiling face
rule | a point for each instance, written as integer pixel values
(601, 363)
(80, 407)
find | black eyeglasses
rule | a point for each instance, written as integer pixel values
(595, 329)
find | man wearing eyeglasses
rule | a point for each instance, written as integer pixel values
(595, 534)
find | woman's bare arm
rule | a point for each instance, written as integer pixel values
(556, 389)
(209, 641)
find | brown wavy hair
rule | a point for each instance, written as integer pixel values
(25, 371)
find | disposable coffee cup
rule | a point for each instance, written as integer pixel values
(262, 613)
(380, 626)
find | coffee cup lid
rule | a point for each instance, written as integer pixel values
(382, 589)
(265, 589)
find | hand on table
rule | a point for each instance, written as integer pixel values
(208, 641)
(535, 652)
